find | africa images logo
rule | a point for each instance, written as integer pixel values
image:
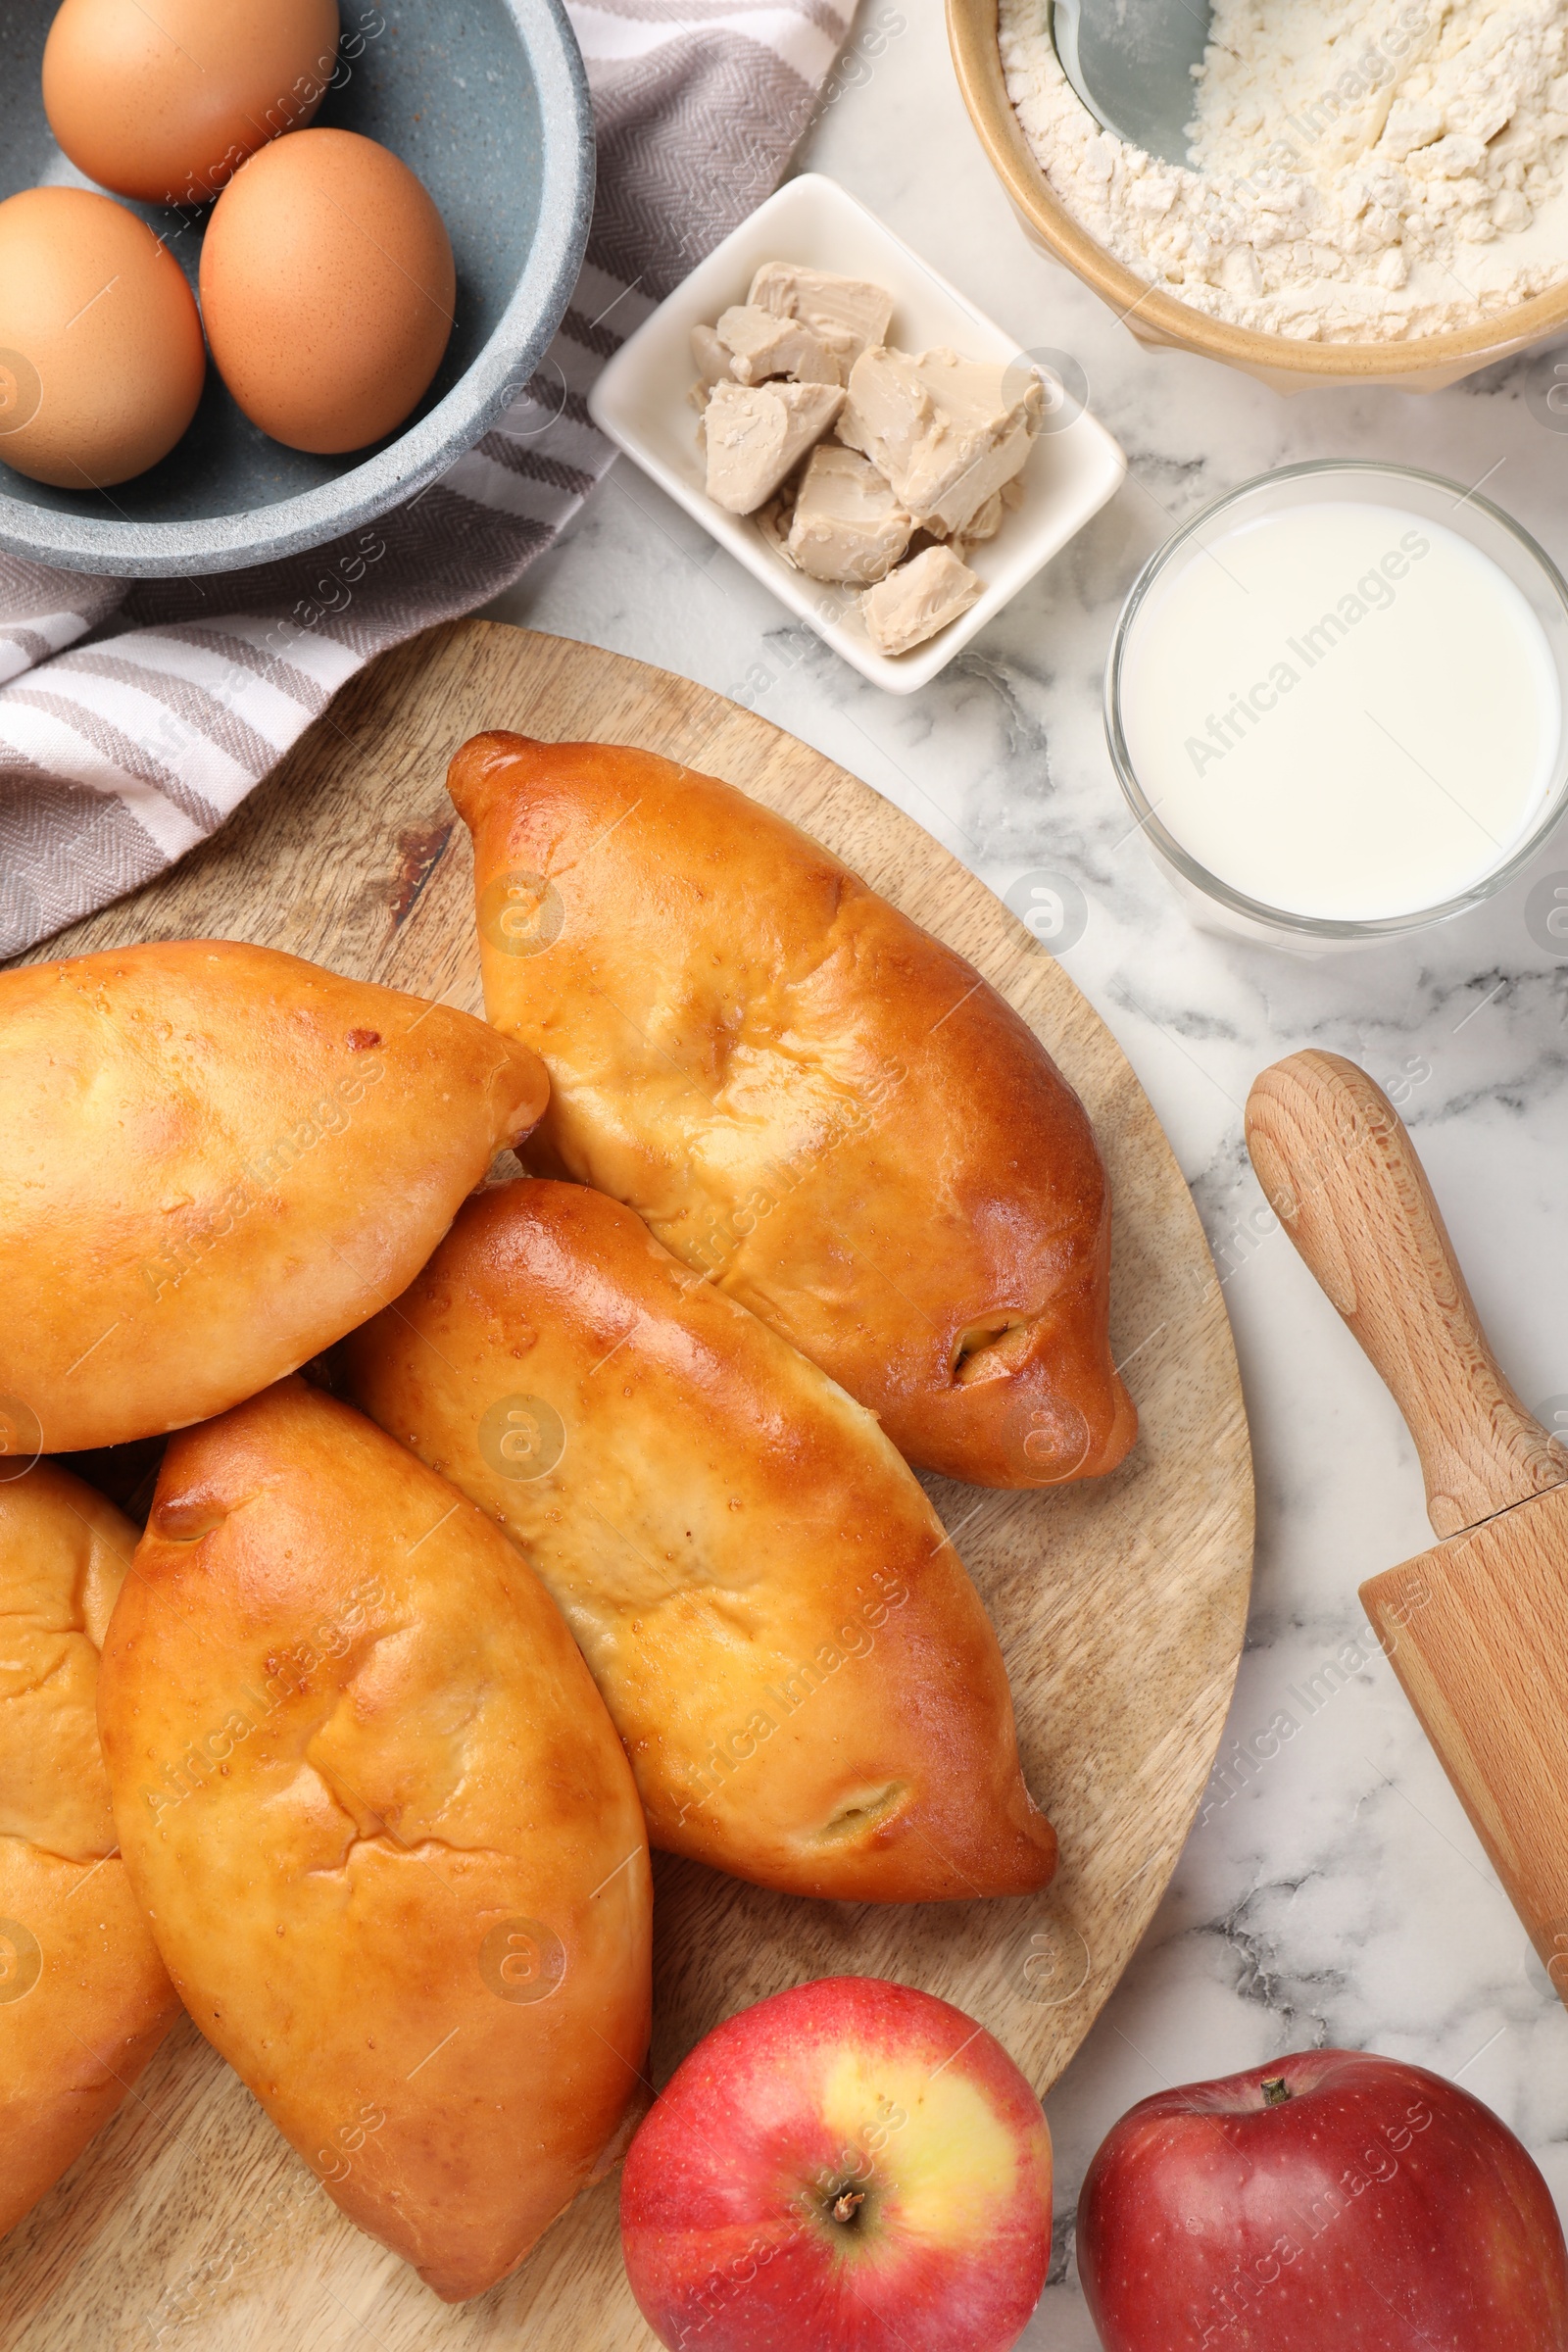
(20, 391)
(522, 1437)
(1546, 915)
(521, 913)
(1051, 906)
(522, 1960)
(20, 1960)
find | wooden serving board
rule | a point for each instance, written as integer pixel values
(1120, 1604)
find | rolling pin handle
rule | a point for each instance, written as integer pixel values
(1340, 1170)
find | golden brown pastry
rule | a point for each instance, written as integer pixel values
(809, 1099)
(805, 1679)
(383, 1828)
(84, 2000)
(213, 1161)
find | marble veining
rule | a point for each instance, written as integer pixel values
(1332, 1890)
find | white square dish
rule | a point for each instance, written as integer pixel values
(641, 402)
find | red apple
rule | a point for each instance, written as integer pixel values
(848, 2167)
(1328, 2202)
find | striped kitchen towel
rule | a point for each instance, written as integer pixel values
(134, 717)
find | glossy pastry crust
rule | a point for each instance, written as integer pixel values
(808, 1099)
(805, 1679)
(215, 1160)
(387, 1838)
(84, 2000)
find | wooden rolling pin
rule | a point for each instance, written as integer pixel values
(1476, 1629)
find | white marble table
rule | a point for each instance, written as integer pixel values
(1333, 1892)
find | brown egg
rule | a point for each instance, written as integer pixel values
(101, 358)
(328, 288)
(166, 103)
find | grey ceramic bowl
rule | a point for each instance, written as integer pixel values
(488, 103)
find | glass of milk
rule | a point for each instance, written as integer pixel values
(1336, 703)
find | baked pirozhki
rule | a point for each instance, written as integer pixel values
(215, 1160)
(805, 1679)
(84, 2000)
(811, 1101)
(387, 1838)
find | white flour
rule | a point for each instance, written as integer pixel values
(1365, 169)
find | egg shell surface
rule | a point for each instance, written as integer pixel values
(101, 355)
(166, 104)
(328, 290)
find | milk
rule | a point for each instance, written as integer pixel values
(1341, 710)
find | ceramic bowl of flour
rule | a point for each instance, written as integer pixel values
(1157, 317)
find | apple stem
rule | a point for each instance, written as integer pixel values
(1276, 2091)
(847, 2204)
